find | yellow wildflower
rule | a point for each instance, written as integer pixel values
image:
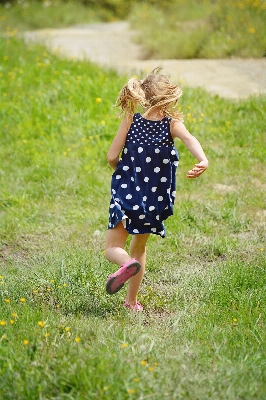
(131, 391)
(143, 362)
(77, 339)
(67, 329)
(124, 345)
(2, 323)
(26, 342)
(41, 324)
(7, 300)
(98, 100)
(23, 300)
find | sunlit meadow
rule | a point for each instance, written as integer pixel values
(202, 28)
(202, 332)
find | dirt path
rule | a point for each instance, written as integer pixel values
(111, 45)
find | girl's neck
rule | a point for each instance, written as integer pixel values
(153, 115)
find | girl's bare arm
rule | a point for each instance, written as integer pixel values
(178, 130)
(118, 143)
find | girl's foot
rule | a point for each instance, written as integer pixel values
(117, 280)
(135, 307)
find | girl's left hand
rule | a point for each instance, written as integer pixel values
(198, 169)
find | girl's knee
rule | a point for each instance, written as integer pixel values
(139, 242)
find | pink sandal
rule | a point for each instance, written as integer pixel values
(117, 280)
(136, 307)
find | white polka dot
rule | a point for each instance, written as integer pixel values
(154, 188)
(124, 185)
(113, 191)
(146, 223)
(160, 198)
(176, 163)
(136, 207)
(157, 169)
(112, 205)
(132, 178)
(138, 169)
(151, 208)
(118, 176)
(148, 159)
(125, 151)
(125, 168)
(158, 217)
(129, 196)
(153, 229)
(138, 188)
(163, 179)
(166, 161)
(140, 150)
(157, 150)
(142, 216)
(146, 179)
(173, 152)
(174, 193)
(132, 158)
(144, 198)
(135, 231)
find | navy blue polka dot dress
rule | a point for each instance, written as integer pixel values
(143, 186)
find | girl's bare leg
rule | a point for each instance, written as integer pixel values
(138, 251)
(115, 243)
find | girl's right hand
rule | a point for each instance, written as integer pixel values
(198, 169)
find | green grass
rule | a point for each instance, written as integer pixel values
(32, 14)
(202, 334)
(202, 29)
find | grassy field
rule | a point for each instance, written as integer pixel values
(170, 29)
(202, 334)
(202, 28)
(24, 15)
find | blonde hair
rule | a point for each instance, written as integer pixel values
(155, 91)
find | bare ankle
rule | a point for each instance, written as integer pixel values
(132, 302)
